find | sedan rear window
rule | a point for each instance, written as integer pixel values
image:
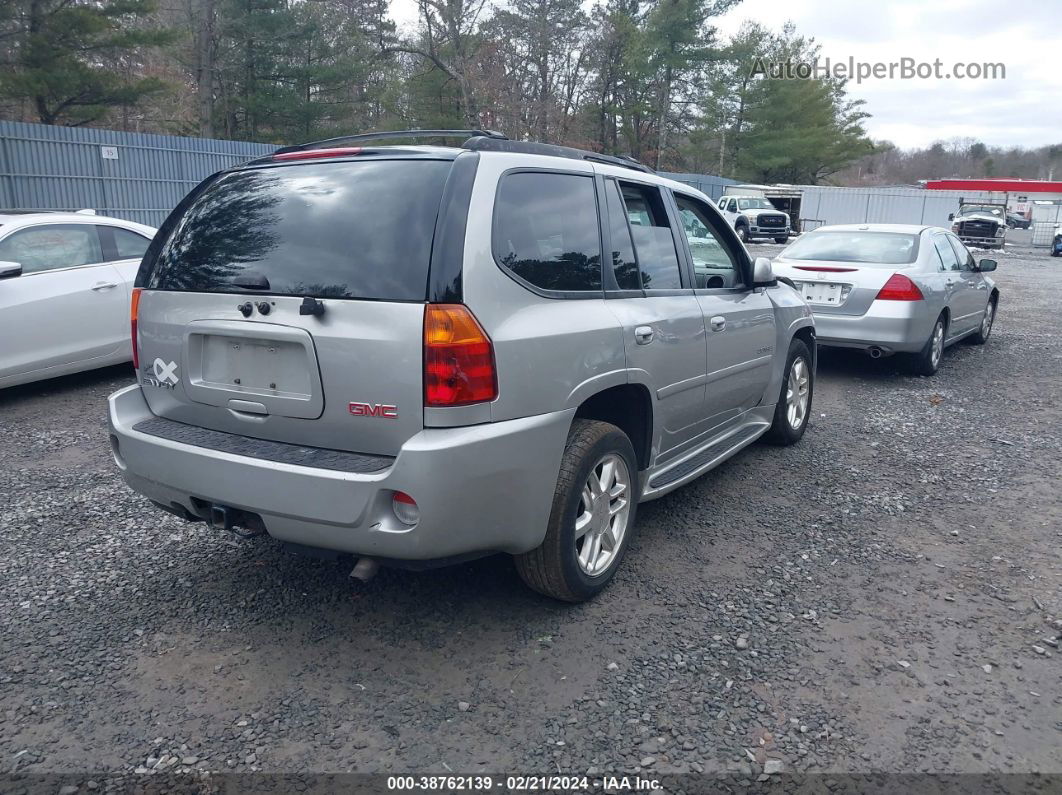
(870, 248)
(333, 230)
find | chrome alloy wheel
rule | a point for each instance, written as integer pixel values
(986, 322)
(936, 346)
(797, 392)
(601, 519)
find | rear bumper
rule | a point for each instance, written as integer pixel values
(482, 488)
(892, 326)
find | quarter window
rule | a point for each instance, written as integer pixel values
(654, 244)
(713, 264)
(52, 246)
(546, 230)
(129, 245)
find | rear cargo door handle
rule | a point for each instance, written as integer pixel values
(643, 335)
(99, 286)
(718, 323)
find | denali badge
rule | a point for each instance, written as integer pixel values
(163, 374)
(374, 410)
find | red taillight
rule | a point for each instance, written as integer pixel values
(458, 358)
(311, 154)
(405, 508)
(134, 310)
(899, 288)
(824, 268)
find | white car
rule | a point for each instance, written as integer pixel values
(65, 286)
(754, 216)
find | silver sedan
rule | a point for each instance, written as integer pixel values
(892, 288)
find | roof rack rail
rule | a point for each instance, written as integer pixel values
(534, 148)
(387, 134)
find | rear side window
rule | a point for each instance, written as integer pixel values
(546, 230)
(358, 229)
(653, 242)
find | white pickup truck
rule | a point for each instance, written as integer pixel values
(755, 217)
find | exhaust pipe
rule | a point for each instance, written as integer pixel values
(365, 569)
(875, 352)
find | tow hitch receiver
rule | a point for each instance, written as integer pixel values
(236, 522)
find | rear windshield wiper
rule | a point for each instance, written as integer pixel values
(251, 280)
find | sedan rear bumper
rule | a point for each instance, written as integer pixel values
(891, 326)
(482, 488)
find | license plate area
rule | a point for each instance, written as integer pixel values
(258, 367)
(275, 367)
(825, 293)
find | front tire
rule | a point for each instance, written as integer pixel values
(927, 361)
(781, 240)
(743, 233)
(981, 337)
(592, 519)
(793, 409)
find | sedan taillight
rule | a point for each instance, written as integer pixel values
(899, 288)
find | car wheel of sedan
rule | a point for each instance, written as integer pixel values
(592, 518)
(927, 361)
(793, 409)
(981, 337)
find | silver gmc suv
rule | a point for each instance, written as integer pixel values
(423, 354)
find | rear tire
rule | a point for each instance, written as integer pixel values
(562, 567)
(793, 409)
(927, 361)
(989, 319)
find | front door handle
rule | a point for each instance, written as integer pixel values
(643, 335)
(718, 323)
(103, 286)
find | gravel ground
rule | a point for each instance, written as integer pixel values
(884, 596)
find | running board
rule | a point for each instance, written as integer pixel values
(700, 461)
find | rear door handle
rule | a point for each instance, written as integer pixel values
(103, 286)
(643, 335)
(718, 323)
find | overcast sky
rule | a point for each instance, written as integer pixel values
(1025, 109)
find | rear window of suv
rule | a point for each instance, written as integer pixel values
(332, 230)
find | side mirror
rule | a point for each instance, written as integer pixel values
(9, 270)
(987, 265)
(762, 272)
(951, 216)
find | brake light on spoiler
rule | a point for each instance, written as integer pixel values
(313, 154)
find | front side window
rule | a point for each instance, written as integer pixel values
(963, 256)
(948, 260)
(546, 230)
(654, 244)
(52, 246)
(713, 265)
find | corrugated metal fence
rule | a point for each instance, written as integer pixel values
(141, 177)
(706, 183)
(136, 176)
